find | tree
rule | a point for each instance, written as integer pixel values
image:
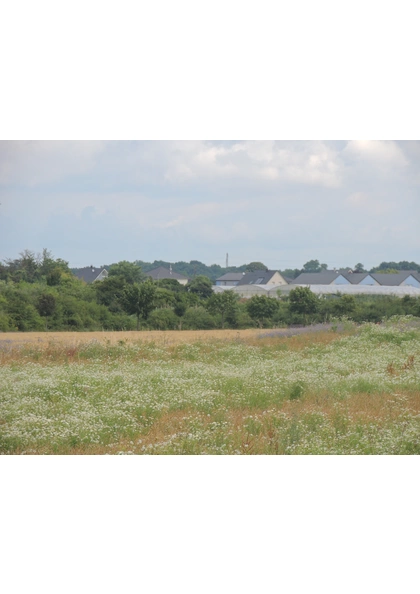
(359, 268)
(139, 300)
(24, 268)
(224, 304)
(163, 319)
(253, 266)
(291, 272)
(130, 271)
(164, 297)
(48, 264)
(261, 307)
(46, 306)
(181, 304)
(345, 306)
(171, 284)
(201, 286)
(198, 318)
(302, 301)
(54, 277)
(109, 292)
(314, 266)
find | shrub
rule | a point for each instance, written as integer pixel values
(198, 318)
(163, 319)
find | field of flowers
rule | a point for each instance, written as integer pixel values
(337, 391)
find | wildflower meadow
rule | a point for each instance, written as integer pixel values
(343, 390)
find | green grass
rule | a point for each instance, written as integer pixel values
(356, 392)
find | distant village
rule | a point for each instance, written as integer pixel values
(274, 284)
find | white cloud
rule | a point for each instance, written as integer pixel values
(34, 163)
(311, 162)
(376, 152)
(180, 199)
(37, 162)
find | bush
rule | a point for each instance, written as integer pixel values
(163, 319)
(198, 318)
(6, 324)
(262, 309)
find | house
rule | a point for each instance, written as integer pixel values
(230, 279)
(400, 279)
(262, 277)
(361, 278)
(331, 277)
(90, 274)
(327, 277)
(163, 273)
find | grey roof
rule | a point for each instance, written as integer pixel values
(163, 273)
(89, 274)
(231, 276)
(392, 280)
(356, 277)
(317, 278)
(258, 277)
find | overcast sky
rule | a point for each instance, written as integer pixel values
(279, 202)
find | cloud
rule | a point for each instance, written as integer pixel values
(287, 201)
(382, 153)
(37, 162)
(311, 162)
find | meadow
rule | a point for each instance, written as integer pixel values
(343, 389)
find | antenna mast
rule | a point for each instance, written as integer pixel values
(227, 260)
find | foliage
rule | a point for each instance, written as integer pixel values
(198, 318)
(37, 292)
(110, 291)
(171, 284)
(201, 286)
(398, 266)
(129, 271)
(314, 266)
(290, 273)
(359, 268)
(163, 319)
(33, 268)
(262, 308)
(138, 300)
(253, 266)
(302, 301)
(225, 304)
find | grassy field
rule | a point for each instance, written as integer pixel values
(347, 390)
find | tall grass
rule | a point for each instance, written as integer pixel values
(351, 392)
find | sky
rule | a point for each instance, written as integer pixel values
(279, 202)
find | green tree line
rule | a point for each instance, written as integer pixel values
(40, 293)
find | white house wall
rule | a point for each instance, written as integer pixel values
(340, 280)
(368, 280)
(410, 281)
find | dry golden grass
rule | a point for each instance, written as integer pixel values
(158, 336)
(59, 347)
(250, 336)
